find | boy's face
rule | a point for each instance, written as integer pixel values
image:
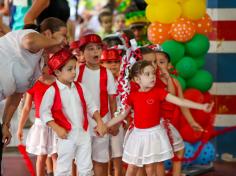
(92, 53)
(151, 57)
(162, 61)
(120, 23)
(114, 66)
(67, 74)
(106, 23)
(139, 32)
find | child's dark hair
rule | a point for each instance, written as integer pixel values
(167, 56)
(146, 50)
(138, 68)
(105, 12)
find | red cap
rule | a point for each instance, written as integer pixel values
(59, 59)
(74, 45)
(110, 55)
(90, 38)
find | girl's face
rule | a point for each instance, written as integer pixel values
(162, 61)
(67, 74)
(147, 78)
(92, 54)
(120, 22)
(114, 66)
(106, 23)
(151, 57)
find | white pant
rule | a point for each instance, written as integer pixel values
(117, 143)
(69, 150)
(100, 147)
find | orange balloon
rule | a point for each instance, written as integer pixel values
(158, 32)
(204, 25)
(183, 30)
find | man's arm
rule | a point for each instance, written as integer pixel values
(10, 108)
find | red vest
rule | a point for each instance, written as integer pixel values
(58, 114)
(103, 88)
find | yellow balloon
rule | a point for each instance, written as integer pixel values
(165, 11)
(194, 9)
(155, 2)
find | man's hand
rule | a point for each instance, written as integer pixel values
(6, 135)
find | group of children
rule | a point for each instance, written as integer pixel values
(76, 99)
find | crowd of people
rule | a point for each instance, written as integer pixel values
(73, 81)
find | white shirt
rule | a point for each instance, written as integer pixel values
(91, 79)
(71, 107)
(19, 68)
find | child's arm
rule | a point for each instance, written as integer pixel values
(34, 41)
(24, 116)
(167, 77)
(118, 118)
(112, 102)
(187, 103)
(186, 112)
(46, 114)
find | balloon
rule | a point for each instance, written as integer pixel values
(186, 67)
(183, 30)
(198, 46)
(202, 80)
(152, 2)
(158, 32)
(207, 155)
(160, 12)
(194, 95)
(189, 152)
(174, 49)
(193, 9)
(200, 61)
(204, 25)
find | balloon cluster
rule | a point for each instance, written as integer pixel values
(177, 19)
(206, 156)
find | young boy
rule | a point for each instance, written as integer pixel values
(111, 59)
(101, 84)
(105, 19)
(64, 108)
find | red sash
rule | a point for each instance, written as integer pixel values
(58, 114)
(103, 88)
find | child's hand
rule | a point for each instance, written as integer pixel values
(114, 130)
(19, 135)
(164, 73)
(208, 107)
(101, 128)
(61, 132)
(196, 126)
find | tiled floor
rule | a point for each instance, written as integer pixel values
(13, 165)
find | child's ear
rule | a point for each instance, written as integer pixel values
(48, 33)
(169, 66)
(136, 79)
(57, 72)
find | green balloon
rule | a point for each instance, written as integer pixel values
(174, 49)
(186, 67)
(197, 46)
(181, 80)
(200, 61)
(202, 81)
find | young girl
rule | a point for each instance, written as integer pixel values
(171, 112)
(147, 144)
(111, 59)
(41, 139)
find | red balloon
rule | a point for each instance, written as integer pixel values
(194, 95)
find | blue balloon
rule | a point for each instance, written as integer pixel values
(168, 164)
(189, 151)
(207, 155)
